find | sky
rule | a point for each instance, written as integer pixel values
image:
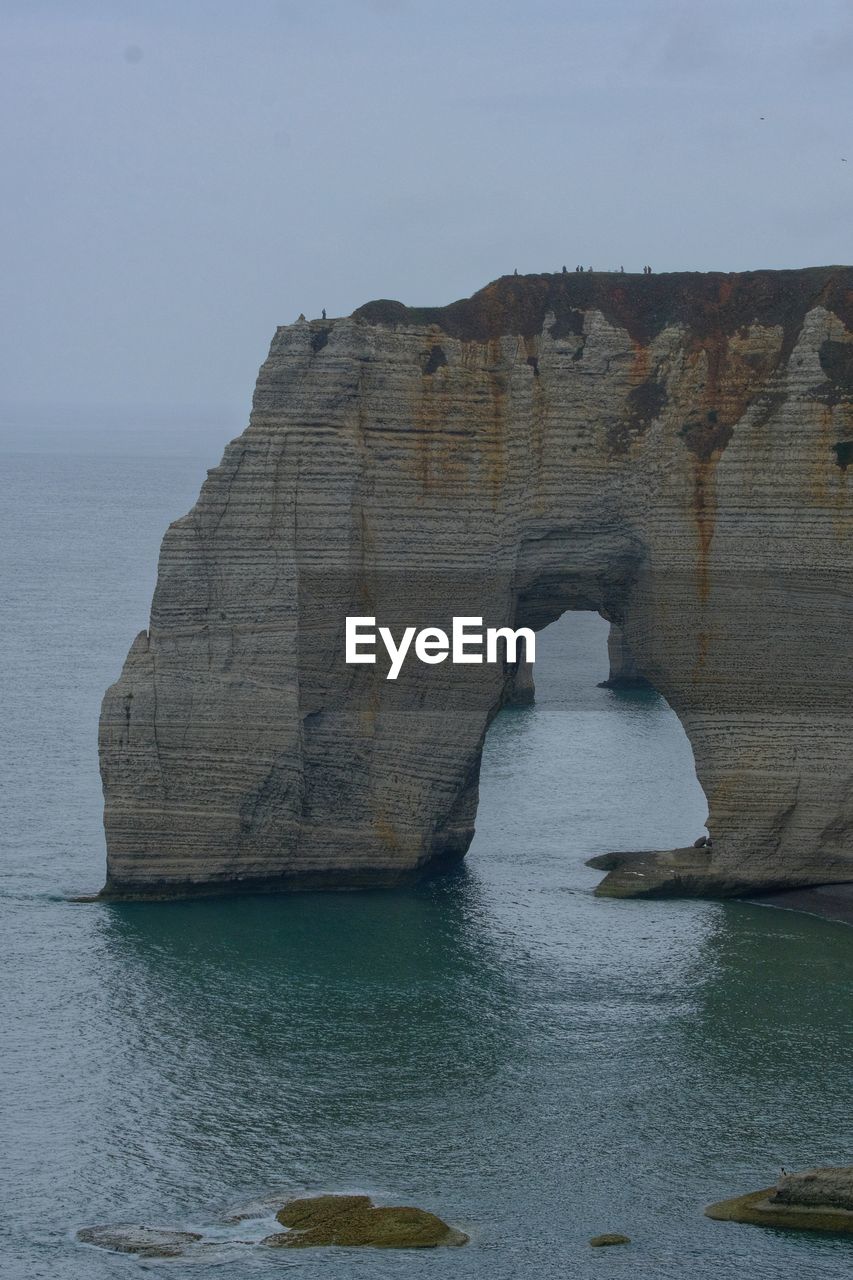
(181, 176)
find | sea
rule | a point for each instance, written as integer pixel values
(497, 1045)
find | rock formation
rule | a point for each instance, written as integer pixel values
(624, 672)
(816, 1200)
(355, 1221)
(324, 1220)
(144, 1242)
(521, 689)
(673, 451)
(608, 1239)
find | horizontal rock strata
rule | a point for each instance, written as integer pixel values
(673, 451)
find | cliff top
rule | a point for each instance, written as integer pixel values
(706, 303)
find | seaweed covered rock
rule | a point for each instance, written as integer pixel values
(315, 1212)
(815, 1200)
(356, 1221)
(609, 1238)
(145, 1242)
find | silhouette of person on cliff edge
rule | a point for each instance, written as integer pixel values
(324, 313)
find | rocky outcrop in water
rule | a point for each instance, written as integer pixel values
(624, 672)
(673, 451)
(355, 1221)
(309, 1221)
(143, 1242)
(816, 1200)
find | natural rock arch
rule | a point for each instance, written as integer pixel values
(667, 450)
(603, 762)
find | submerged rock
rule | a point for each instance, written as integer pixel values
(815, 1200)
(355, 1221)
(609, 1237)
(263, 1206)
(145, 1242)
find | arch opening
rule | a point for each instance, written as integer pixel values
(585, 758)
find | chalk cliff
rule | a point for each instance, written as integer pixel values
(674, 451)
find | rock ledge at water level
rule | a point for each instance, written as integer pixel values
(817, 1200)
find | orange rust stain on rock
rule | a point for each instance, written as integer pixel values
(822, 456)
(644, 402)
(829, 483)
(386, 833)
(705, 514)
(436, 462)
(724, 371)
(730, 379)
(639, 362)
(729, 374)
(496, 441)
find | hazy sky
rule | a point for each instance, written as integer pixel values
(182, 175)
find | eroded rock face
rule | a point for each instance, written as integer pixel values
(672, 451)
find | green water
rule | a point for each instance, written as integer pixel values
(533, 1064)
